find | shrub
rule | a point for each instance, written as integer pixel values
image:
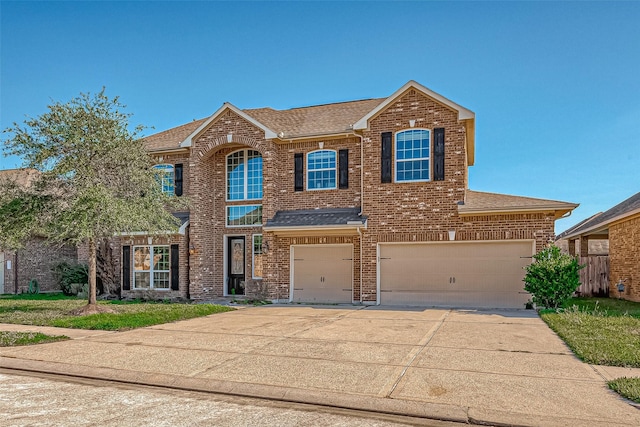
(71, 278)
(552, 278)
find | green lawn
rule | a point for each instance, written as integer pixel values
(10, 339)
(53, 310)
(603, 331)
(627, 387)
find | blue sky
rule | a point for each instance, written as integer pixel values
(555, 86)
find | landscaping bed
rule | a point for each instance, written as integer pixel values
(54, 310)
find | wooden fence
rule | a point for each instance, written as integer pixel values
(594, 277)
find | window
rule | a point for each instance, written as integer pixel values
(257, 256)
(244, 215)
(321, 170)
(151, 273)
(244, 175)
(166, 177)
(412, 155)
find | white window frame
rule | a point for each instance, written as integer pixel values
(242, 225)
(245, 177)
(151, 269)
(253, 255)
(396, 161)
(164, 171)
(334, 169)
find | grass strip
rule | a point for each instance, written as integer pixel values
(142, 315)
(11, 339)
(627, 387)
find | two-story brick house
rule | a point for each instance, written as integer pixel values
(355, 202)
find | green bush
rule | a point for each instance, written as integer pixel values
(552, 278)
(71, 278)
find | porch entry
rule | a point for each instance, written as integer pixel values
(236, 256)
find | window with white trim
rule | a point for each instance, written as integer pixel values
(166, 177)
(244, 175)
(257, 256)
(412, 156)
(151, 267)
(244, 215)
(321, 170)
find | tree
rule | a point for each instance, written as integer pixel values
(552, 278)
(95, 180)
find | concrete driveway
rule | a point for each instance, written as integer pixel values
(502, 367)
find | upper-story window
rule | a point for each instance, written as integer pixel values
(412, 155)
(166, 177)
(321, 170)
(244, 175)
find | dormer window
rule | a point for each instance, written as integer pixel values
(166, 178)
(321, 170)
(412, 155)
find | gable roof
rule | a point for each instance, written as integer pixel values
(599, 223)
(188, 141)
(479, 203)
(464, 114)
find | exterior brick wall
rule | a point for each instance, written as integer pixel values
(624, 257)
(35, 261)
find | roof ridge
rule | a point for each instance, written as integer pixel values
(315, 105)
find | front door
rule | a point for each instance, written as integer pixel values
(235, 265)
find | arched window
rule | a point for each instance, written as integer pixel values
(412, 155)
(244, 175)
(166, 177)
(321, 170)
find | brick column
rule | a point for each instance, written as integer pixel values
(584, 246)
(572, 247)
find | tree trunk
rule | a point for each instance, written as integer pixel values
(92, 271)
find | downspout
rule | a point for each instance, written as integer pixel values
(188, 233)
(361, 204)
(15, 272)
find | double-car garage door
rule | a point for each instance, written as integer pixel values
(457, 274)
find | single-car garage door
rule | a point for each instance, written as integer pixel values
(322, 273)
(456, 274)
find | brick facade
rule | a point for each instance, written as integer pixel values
(35, 261)
(624, 257)
(396, 211)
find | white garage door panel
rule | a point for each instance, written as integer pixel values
(322, 274)
(460, 274)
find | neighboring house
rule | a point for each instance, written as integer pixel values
(620, 225)
(354, 202)
(36, 259)
(595, 246)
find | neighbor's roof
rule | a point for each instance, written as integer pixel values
(22, 177)
(478, 203)
(600, 223)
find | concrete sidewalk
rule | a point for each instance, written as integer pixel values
(503, 367)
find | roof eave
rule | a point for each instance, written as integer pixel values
(603, 225)
(268, 133)
(335, 229)
(558, 211)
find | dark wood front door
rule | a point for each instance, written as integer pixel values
(235, 265)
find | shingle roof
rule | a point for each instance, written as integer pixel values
(171, 138)
(182, 216)
(295, 122)
(477, 202)
(625, 208)
(314, 120)
(317, 217)
(22, 177)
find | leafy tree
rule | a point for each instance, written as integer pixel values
(95, 180)
(552, 278)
